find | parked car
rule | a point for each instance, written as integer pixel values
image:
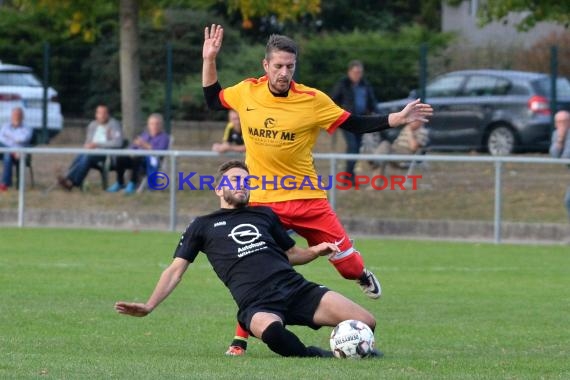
(500, 111)
(19, 87)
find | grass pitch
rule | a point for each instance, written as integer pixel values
(449, 311)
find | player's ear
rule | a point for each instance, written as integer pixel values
(265, 64)
(218, 190)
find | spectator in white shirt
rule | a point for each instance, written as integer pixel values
(102, 133)
(12, 135)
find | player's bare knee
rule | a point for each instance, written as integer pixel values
(366, 317)
(260, 321)
(371, 322)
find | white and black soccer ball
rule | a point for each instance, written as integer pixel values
(352, 339)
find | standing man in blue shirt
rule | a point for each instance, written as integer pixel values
(354, 94)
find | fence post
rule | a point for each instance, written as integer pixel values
(553, 80)
(423, 71)
(21, 188)
(168, 92)
(45, 137)
(498, 201)
(332, 196)
(173, 187)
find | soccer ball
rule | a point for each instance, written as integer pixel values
(352, 339)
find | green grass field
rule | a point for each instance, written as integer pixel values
(449, 311)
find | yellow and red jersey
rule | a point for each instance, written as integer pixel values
(280, 133)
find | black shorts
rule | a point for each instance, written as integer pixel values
(296, 305)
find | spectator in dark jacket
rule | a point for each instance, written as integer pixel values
(354, 94)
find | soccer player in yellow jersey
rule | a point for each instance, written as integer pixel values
(280, 121)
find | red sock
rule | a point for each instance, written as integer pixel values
(350, 267)
(240, 339)
(241, 333)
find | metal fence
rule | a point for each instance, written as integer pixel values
(165, 85)
(174, 157)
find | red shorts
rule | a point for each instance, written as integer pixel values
(313, 219)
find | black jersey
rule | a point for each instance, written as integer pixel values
(246, 248)
(235, 138)
(231, 136)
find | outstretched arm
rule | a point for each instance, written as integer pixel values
(167, 283)
(413, 111)
(299, 256)
(213, 37)
(212, 44)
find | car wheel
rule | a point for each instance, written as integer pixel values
(501, 141)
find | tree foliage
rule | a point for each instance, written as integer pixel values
(84, 37)
(348, 15)
(22, 38)
(533, 11)
(284, 9)
(72, 17)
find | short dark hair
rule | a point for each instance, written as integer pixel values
(223, 168)
(278, 42)
(355, 63)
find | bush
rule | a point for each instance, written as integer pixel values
(494, 55)
(391, 60)
(538, 57)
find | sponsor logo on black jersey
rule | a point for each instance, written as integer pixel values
(244, 233)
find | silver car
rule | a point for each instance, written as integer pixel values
(500, 111)
(19, 87)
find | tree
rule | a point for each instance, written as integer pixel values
(81, 17)
(533, 11)
(130, 68)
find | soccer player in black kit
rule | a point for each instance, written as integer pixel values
(252, 254)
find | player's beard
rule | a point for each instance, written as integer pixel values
(236, 201)
(281, 85)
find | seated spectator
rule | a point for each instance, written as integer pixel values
(412, 137)
(560, 146)
(13, 135)
(104, 132)
(153, 139)
(233, 138)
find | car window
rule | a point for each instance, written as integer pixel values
(484, 85)
(444, 86)
(519, 89)
(542, 87)
(19, 79)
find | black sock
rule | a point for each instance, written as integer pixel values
(283, 341)
(239, 343)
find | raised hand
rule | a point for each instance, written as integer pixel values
(213, 37)
(132, 309)
(416, 111)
